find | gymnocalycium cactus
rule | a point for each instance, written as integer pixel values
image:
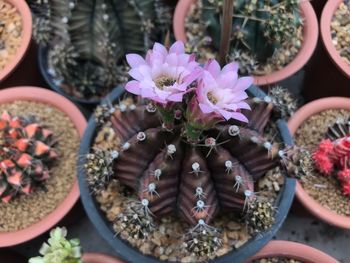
(192, 146)
(59, 249)
(87, 40)
(259, 28)
(333, 154)
(26, 151)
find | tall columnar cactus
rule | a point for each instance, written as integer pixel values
(259, 27)
(26, 150)
(88, 39)
(194, 155)
(333, 154)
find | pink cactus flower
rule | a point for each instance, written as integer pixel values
(164, 76)
(221, 92)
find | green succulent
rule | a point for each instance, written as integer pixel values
(88, 39)
(59, 249)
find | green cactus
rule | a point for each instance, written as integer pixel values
(259, 27)
(58, 249)
(88, 39)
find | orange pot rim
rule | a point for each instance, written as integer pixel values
(61, 103)
(293, 250)
(27, 26)
(294, 123)
(325, 25)
(307, 49)
(99, 258)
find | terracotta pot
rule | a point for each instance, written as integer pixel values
(294, 123)
(53, 99)
(293, 250)
(306, 51)
(326, 18)
(24, 11)
(99, 258)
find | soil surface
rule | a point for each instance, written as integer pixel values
(340, 30)
(276, 260)
(10, 32)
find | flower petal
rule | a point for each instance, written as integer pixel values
(233, 66)
(135, 60)
(239, 116)
(213, 67)
(226, 114)
(147, 93)
(178, 48)
(243, 83)
(243, 105)
(133, 87)
(194, 75)
(160, 49)
(177, 97)
(205, 108)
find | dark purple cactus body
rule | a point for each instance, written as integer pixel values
(193, 180)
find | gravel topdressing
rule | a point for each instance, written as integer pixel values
(25, 210)
(340, 30)
(324, 189)
(276, 260)
(10, 32)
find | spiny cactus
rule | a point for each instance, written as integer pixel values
(87, 40)
(284, 101)
(259, 28)
(59, 249)
(196, 181)
(192, 152)
(26, 151)
(333, 154)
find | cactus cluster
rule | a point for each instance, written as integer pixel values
(26, 152)
(59, 249)
(333, 154)
(87, 40)
(259, 29)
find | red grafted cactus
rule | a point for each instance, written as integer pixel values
(25, 152)
(333, 154)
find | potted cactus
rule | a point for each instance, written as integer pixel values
(271, 40)
(295, 252)
(83, 43)
(322, 127)
(334, 21)
(59, 249)
(163, 167)
(37, 187)
(16, 32)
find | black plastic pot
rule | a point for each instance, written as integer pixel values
(130, 254)
(43, 65)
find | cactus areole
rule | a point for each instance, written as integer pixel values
(191, 145)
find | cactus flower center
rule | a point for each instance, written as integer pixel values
(212, 98)
(164, 81)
